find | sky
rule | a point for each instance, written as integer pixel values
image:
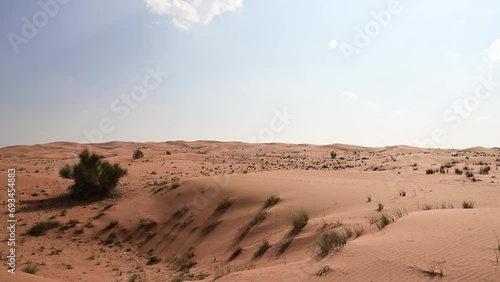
(370, 73)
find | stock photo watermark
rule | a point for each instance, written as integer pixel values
(11, 220)
(373, 28)
(31, 26)
(122, 107)
(462, 109)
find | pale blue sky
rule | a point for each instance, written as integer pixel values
(232, 64)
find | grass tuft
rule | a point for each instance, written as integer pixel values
(399, 213)
(271, 201)
(41, 227)
(284, 245)
(236, 252)
(264, 245)
(224, 204)
(210, 226)
(31, 268)
(329, 242)
(381, 221)
(468, 204)
(299, 221)
(258, 218)
(427, 207)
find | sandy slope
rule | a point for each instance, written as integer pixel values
(114, 238)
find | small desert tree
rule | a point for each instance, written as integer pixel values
(93, 176)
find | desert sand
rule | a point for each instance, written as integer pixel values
(430, 235)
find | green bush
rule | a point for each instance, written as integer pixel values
(92, 176)
(137, 154)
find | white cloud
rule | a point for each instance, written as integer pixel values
(494, 51)
(185, 13)
(350, 95)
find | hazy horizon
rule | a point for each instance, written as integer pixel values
(375, 74)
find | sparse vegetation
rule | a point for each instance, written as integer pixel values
(427, 207)
(137, 154)
(210, 226)
(485, 170)
(271, 201)
(258, 218)
(224, 204)
(299, 221)
(175, 183)
(236, 252)
(380, 207)
(92, 176)
(111, 239)
(359, 230)
(136, 278)
(381, 221)
(41, 227)
(70, 224)
(110, 225)
(283, 245)
(399, 213)
(153, 260)
(331, 241)
(468, 204)
(186, 262)
(31, 267)
(264, 245)
(432, 272)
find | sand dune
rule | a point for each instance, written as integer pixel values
(430, 235)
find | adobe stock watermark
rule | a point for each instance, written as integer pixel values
(373, 28)
(462, 109)
(31, 26)
(123, 106)
(277, 123)
(455, 116)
